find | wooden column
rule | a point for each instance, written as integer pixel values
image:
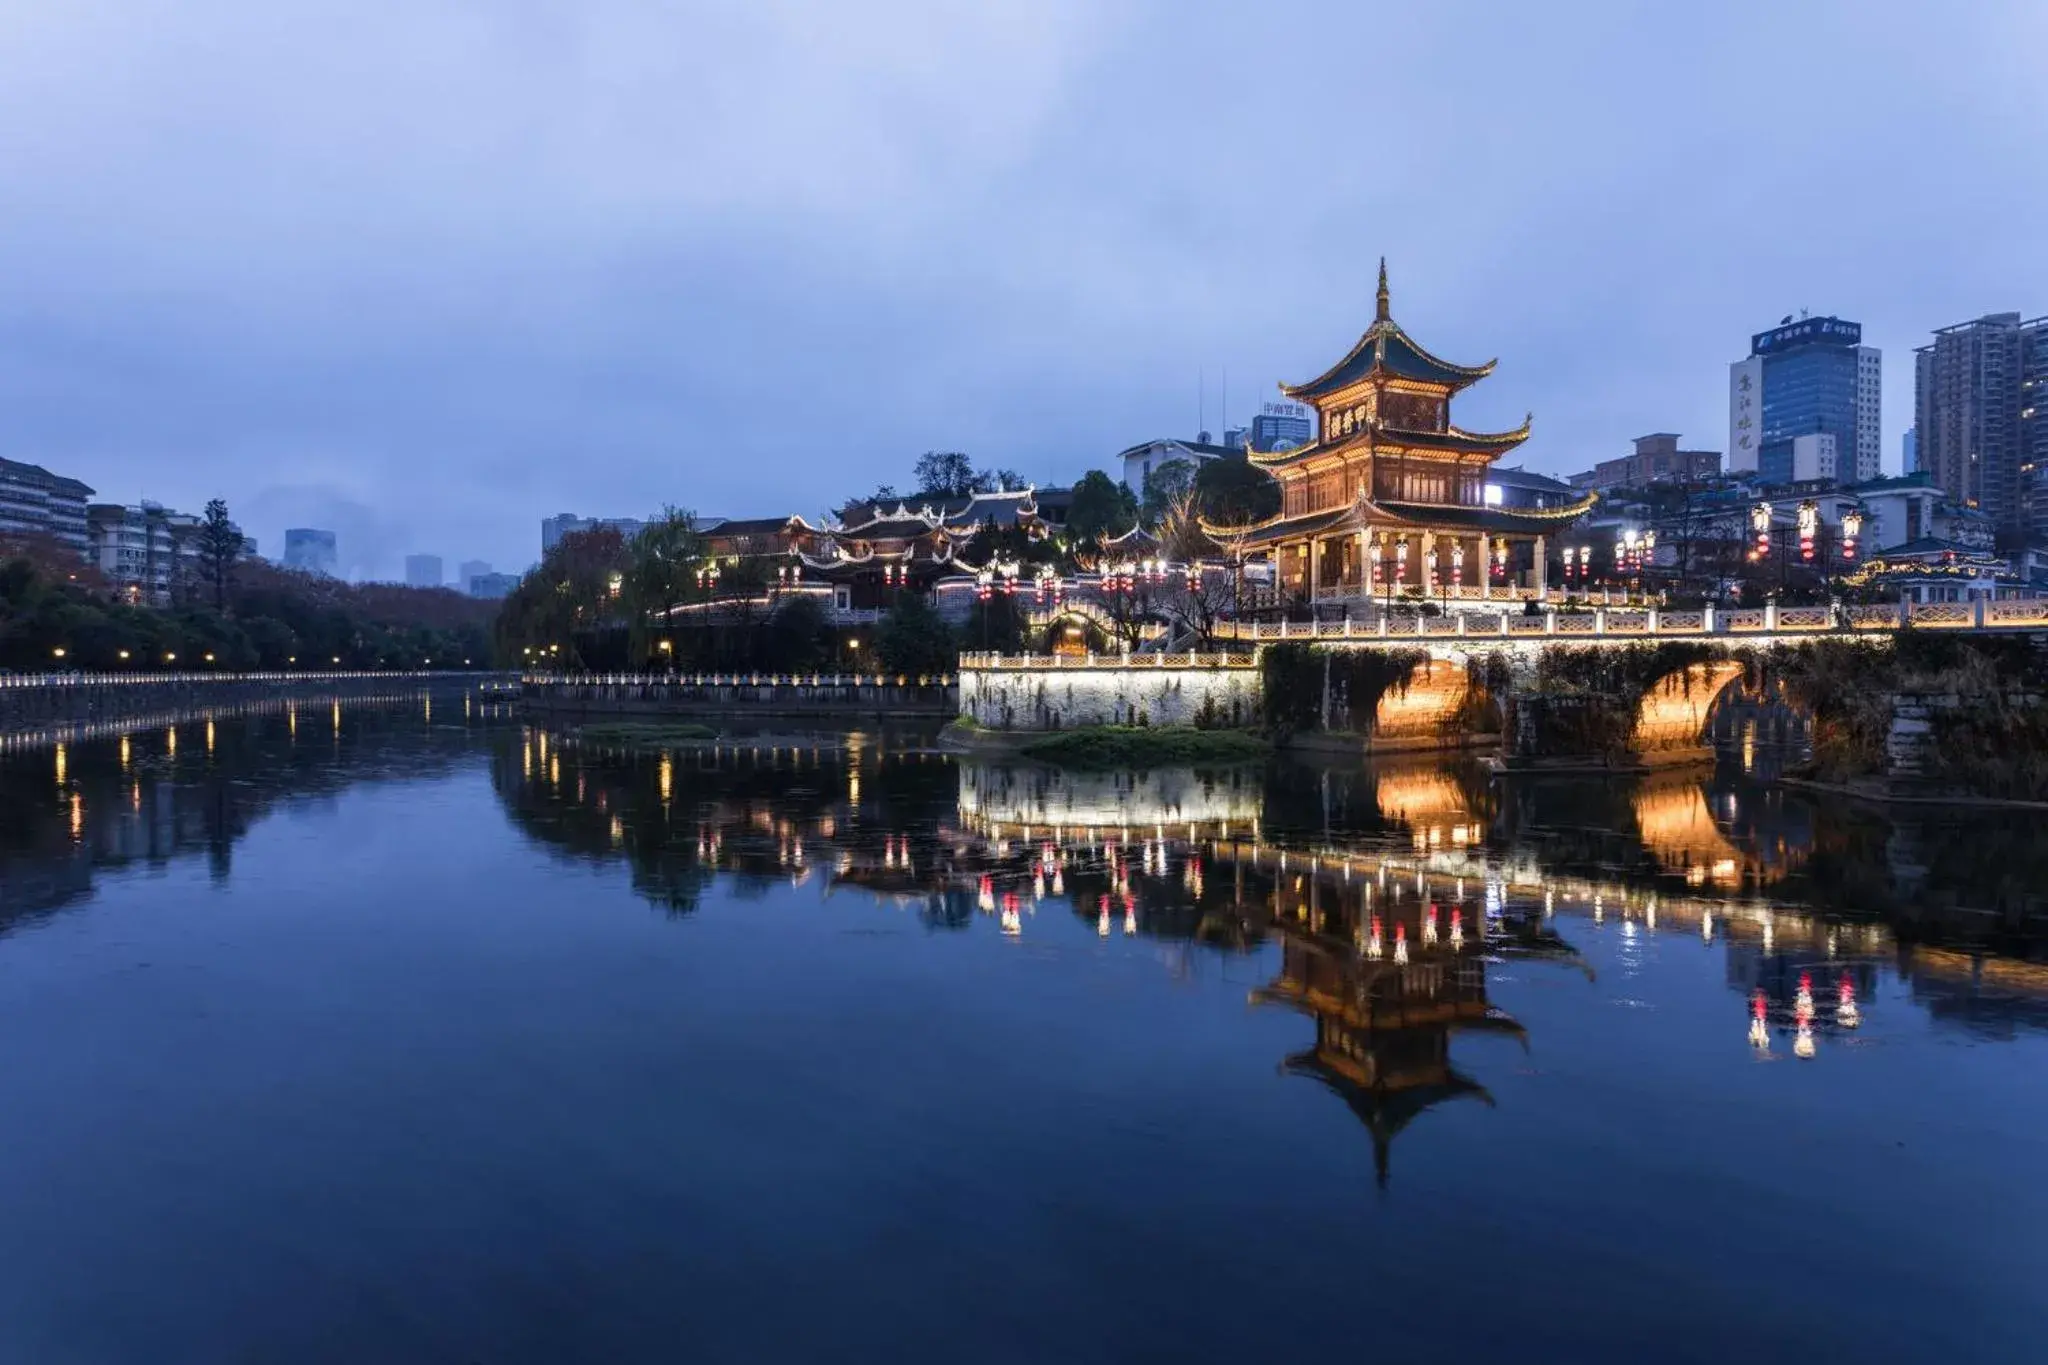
(1542, 568)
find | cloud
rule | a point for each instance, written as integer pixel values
(459, 266)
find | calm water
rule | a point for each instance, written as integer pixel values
(403, 1033)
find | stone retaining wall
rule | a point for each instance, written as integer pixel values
(1109, 694)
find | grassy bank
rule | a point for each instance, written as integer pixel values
(1133, 746)
(644, 732)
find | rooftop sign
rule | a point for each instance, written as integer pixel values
(1806, 331)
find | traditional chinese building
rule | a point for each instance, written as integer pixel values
(1390, 498)
(878, 549)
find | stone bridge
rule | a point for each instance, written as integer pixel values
(1611, 686)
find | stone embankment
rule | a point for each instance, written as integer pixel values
(837, 696)
(61, 704)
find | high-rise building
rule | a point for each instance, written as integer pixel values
(468, 569)
(1909, 451)
(423, 571)
(1280, 426)
(1816, 458)
(1976, 418)
(33, 501)
(1805, 378)
(310, 550)
(553, 528)
(2034, 426)
(148, 552)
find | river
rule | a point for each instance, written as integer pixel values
(404, 1032)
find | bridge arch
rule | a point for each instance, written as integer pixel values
(1424, 705)
(1672, 712)
(1090, 623)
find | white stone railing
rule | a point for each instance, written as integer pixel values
(1610, 623)
(11, 680)
(1026, 663)
(738, 679)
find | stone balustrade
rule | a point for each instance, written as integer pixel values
(1634, 623)
(740, 694)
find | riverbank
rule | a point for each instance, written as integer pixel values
(657, 698)
(57, 707)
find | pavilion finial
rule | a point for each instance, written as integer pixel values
(1381, 314)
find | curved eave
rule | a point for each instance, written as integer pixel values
(1365, 514)
(1530, 520)
(1386, 348)
(1489, 443)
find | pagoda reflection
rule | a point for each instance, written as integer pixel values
(1390, 890)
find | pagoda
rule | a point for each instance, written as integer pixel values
(1390, 499)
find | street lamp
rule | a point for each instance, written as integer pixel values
(1852, 528)
(1809, 524)
(58, 652)
(1760, 523)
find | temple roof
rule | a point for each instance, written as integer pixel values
(1368, 514)
(1386, 349)
(741, 526)
(968, 513)
(1383, 1110)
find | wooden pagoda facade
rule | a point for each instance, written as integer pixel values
(1388, 501)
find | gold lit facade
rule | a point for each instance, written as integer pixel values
(1389, 501)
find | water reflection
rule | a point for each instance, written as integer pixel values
(1388, 890)
(132, 797)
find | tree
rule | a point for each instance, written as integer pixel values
(660, 573)
(1101, 507)
(947, 474)
(998, 624)
(1231, 488)
(1170, 481)
(219, 546)
(799, 636)
(912, 638)
(568, 595)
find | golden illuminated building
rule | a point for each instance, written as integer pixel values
(1390, 498)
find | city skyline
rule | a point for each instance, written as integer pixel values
(971, 231)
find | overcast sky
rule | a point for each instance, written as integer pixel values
(426, 272)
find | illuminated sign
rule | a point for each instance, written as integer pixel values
(1804, 331)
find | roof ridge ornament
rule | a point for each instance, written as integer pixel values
(1381, 311)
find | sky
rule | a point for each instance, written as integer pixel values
(426, 273)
